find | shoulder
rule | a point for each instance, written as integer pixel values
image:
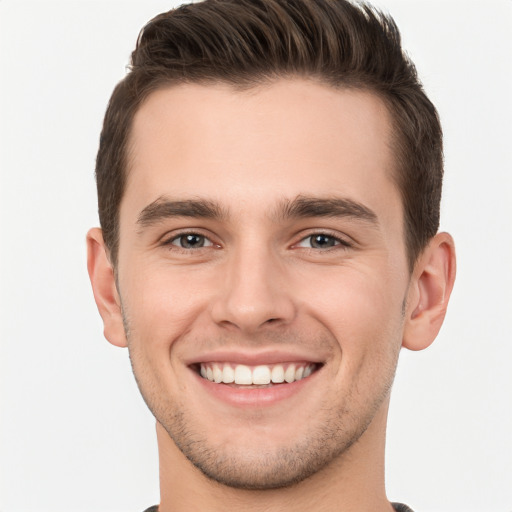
(399, 507)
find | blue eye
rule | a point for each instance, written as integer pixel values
(191, 241)
(321, 241)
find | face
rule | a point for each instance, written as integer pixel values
(262, 274)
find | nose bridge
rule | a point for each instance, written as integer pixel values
(253, 292)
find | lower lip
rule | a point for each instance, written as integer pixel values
(253, 397)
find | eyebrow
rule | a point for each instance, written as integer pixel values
(304, 206)
(164, 208)
(300, 207)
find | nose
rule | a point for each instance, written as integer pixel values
(254, 292)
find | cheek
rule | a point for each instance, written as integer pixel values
(160, 306)
(166, 295)
(363, 311)
(367, 324)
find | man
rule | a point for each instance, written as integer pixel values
(269, 177)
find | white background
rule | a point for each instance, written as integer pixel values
(74, 432)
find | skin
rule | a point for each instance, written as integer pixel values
(257, 285)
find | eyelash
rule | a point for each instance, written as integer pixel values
(338, 242)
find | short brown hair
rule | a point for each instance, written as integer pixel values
(249, 42)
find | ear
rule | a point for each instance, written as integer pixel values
(429, 292)
(101, 274)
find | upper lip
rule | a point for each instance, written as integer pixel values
(253, 358)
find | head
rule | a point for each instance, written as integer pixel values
(269, 179)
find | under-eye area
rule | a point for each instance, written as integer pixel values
(260, 375)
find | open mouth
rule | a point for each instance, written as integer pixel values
(255, 376)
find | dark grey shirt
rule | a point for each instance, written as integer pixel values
(399, 507)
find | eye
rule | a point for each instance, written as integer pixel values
(190, 241)
(321, 241)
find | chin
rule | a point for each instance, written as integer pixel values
(253, 466)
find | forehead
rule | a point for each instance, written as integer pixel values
(288, 138)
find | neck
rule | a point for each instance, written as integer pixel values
(352, 482)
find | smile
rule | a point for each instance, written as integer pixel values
(240, 374)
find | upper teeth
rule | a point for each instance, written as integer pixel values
(262, 374)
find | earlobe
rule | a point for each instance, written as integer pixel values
(429, 292)
(101, 274)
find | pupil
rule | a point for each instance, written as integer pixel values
(322, 241)
(188, 241)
